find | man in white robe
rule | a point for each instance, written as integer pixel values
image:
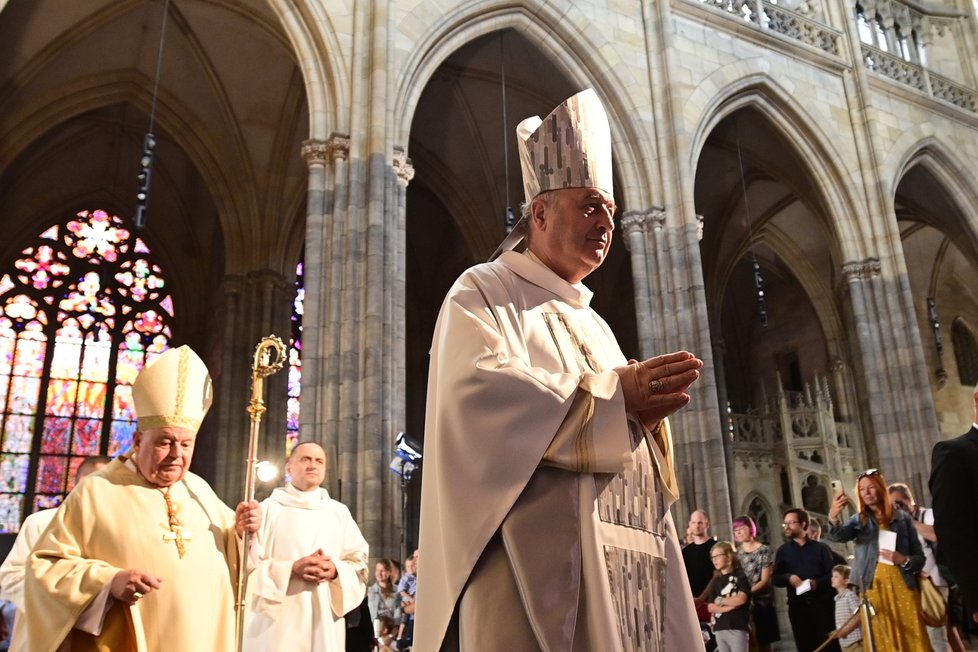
(142, 555)
(548, 472)
(14, 566)
(312, 569)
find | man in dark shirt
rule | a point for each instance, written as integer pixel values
(954, 486)
(696, 557)
(805, 565)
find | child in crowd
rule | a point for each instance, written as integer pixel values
(408, 588)
(849, 632)
(385, 634)
(729, 600)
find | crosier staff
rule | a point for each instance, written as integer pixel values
(264, 364)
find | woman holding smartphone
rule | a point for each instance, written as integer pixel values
(886, 565)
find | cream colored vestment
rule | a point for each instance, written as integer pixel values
(13, 568)
(286, 613)
(527, 437)
(115, 521)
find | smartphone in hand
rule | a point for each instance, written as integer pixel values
(836, 488)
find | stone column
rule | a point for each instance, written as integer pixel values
(895, 402)
(326, 195)
(353, 328)
(670, 304)
(325, 219)
(258, 303)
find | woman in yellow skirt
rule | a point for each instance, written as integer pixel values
(885, 567)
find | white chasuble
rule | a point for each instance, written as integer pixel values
(116, 521)
(288, 613)
(527, 436)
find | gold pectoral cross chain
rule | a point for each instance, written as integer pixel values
(176, 533)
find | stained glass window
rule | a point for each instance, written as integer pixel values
(295, 363)
(82, 310)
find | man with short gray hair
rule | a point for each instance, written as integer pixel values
(548, 470)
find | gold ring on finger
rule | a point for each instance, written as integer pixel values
(655, 386)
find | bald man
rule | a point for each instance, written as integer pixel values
(696, 553)
(313, 566)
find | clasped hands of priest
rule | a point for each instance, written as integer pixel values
(655, 388)
(128, 586)
(315, 568)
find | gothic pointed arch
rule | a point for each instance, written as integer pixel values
(820, 179)
(925, 160)
(313, 35)
(759, 509)
(762, 207)
(466, 177)
(563, 53)
(931, 201)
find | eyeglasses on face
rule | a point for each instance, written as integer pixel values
(719, 555)
(787, 523)
(868, 472)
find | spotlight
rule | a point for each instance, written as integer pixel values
(407, 456)
(265, 471)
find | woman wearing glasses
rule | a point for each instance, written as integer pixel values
(757, 560)
(886, 565)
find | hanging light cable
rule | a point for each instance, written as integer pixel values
(509, 218)
(145, 175)
(758, 278)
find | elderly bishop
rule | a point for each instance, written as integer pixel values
(142, 555)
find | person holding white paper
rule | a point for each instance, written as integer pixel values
(888, 557)
(804, 568)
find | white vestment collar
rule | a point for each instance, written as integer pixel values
(533, 270)
(289, 496)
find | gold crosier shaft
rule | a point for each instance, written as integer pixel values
(263, 365)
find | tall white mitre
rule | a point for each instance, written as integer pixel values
(174, 390)
(571, 148)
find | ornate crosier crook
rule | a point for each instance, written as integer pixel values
(264, 364)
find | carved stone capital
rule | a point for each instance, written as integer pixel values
(314, 151)
(643, 221)
(861, 270)
(321, 152)
(267, 279)
(402, 167)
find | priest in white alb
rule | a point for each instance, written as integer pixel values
(142, 556)
(312, 568)
(548, 470)
(14, 566)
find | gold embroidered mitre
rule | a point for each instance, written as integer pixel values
(571, 148)
(174, 390)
